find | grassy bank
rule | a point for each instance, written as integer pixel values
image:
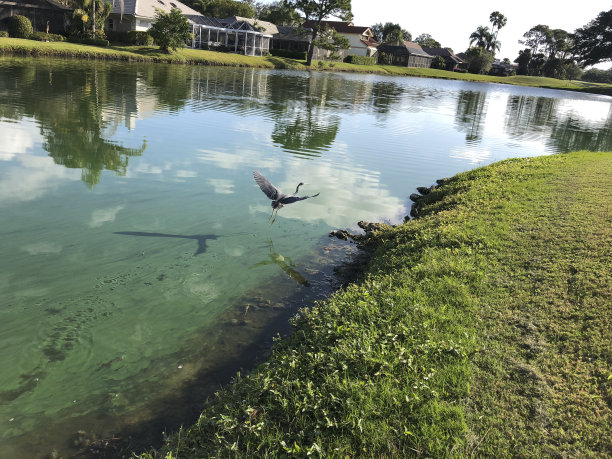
(20, 47)
(483, 327)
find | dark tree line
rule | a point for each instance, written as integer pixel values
(557, 53)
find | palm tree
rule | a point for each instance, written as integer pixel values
(482, 36)
(498, 21)
(82, 7)
(485, 39)
(493, 44)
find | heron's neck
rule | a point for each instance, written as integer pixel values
(298, 187)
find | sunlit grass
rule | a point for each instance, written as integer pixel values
(484, 327)
(20, 47)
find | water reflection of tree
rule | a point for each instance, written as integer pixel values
(306, 124)
(76, 146)
(526, 115)
(385, 95)
(170, 83)
(573, 134)
(69, 104)
(470, 114)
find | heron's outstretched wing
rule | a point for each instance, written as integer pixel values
(292, 199)
(270, 190)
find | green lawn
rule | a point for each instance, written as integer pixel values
(482, 328)
(21, 47)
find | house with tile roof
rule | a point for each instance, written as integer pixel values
(41, 13)
(407, 54)
(361, 39)
(233, 34)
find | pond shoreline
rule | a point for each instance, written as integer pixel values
(445, 339)
(29, 48)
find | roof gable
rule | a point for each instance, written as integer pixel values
(265, 27)
(36, 4)
(148, 8)
(408, 48)
(444, 52)
(341, 27)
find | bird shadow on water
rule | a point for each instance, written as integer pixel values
(201, 238)
(285, 264)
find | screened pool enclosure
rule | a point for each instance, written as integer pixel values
(238, 37)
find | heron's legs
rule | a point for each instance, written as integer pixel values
(271, 215)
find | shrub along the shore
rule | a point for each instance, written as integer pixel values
(482, 327)
(147, 53)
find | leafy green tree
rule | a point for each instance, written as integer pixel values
(332, 41)
(223, 8)
(19, 26)
(536, 38)
(551, 52)
(572, 71)
(593, 42)
(438, 62)
(170, 30)
(279, 13)
(523, 61)
(536, 64)
(598, 76)
(390, 33)
(428, 41)
(317, 11)
(479, 60)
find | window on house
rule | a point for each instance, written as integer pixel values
(173, 5)
(111, 24)
(160, 2)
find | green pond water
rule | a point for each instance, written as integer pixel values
(139, 270)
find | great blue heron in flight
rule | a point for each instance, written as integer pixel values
(279, 199)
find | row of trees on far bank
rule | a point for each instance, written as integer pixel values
(548, 52)
(557, 53)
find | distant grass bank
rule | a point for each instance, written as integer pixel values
(482, 328)
(20, 47)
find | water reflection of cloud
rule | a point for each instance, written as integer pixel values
(35, 177)
(16, 139)
(473, 155)
(347, 195)
(238, 160)
(44, 248)
(222, 186)
(186, 174)
(144, 168)
(101, 216)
